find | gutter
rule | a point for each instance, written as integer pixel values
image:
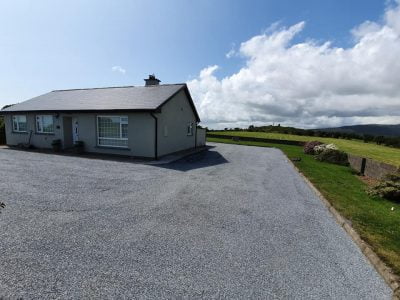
(155, 136)
(68, 111)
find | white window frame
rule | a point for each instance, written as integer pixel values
(189, 129)
(120, 132)
(40, 130)
(17, 123)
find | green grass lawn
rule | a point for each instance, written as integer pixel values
(371, 217)
(380, 153)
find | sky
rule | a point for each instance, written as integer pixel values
(307, 63)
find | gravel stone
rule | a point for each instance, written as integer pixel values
(233, 222)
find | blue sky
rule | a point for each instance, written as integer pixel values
(48, 45)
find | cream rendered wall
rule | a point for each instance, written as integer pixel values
(172, 125)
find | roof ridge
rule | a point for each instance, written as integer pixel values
(114, 87)
(96, 88)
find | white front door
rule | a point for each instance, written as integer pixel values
(75, 130)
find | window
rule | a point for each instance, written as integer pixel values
(190, 128)
(19, 123)
(112, 131)
(44, 124)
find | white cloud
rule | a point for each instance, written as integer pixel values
(118, 69)
(230, 53)
(308, 84)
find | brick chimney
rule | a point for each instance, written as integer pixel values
(152, 80)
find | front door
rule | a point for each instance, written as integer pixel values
(75, 130)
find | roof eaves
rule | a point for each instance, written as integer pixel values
(78, 110)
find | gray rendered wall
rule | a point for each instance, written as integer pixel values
(173, 120)
(140, 133)
(39, 140)
(201, 137)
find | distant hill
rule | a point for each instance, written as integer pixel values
(372, 129)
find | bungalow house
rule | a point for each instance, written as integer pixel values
(142, 121)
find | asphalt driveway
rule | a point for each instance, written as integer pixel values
(233, 222)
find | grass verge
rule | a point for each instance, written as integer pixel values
(384, 154)
(372, 217)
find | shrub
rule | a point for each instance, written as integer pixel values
(333, 156)
(56, 144)
(79, 147)
(321, 148)
(388, 188)
(309, 147)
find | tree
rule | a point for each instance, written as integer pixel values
(379, 140)
(310, 132)
(368, 138)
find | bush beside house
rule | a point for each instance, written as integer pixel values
(323, 147)
(309, 147)
(56, 145)
(326, 152)
(79, 147)
(389, 188)
(333, 156)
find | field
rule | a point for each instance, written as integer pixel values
(372, 217)
(369, 150)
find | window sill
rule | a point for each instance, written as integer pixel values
(44, 133)
(20, 132)
(113, 148)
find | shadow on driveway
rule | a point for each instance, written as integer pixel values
(199, 160)
(203, 159)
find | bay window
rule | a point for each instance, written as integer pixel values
(112, 131)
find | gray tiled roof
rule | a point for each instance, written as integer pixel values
(115, 98)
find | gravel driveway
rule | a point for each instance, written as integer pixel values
(233, 222)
